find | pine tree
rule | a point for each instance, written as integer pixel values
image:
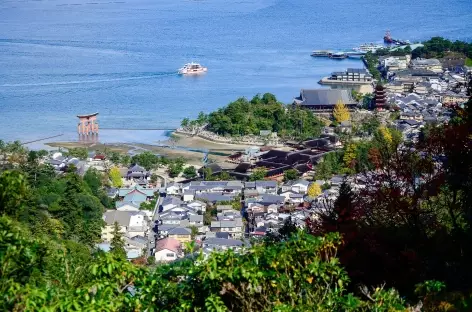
(323, 170)
(117, 245)
(340, 112)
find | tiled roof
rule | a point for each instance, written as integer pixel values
(168, 243)
(223, 242)
(179, 231)
(327, 97)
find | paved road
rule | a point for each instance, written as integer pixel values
(155, 216)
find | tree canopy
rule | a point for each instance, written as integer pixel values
(243, 117)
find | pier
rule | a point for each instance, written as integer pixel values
(338, 55)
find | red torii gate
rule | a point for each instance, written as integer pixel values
(87, 124)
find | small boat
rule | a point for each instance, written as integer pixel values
(338, 55)
(321, 53)
(192, 69)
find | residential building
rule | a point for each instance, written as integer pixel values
(223, 244)
(168, 249)
(262, 187)
(297, 186)
(181, 234)
(433, 65)
(173, 189)
(188, 195)
(400, 86)
(132, 223)
(170, 202)
(197, 205)
(452, 98)
(233, 227)
(394, 63)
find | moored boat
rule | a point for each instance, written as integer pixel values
(338, 55)
(321, 53)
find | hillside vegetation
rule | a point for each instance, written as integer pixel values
(243, 117)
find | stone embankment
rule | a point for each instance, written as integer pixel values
(210, 136)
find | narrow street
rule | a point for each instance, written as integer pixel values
(151, 241)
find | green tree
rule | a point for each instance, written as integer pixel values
(194, 231)
(115, 177)
(202, 119)
(207, 173)
(125, 160)
(151, 204)
(79, 152)
(93, 178)
(185, 123)
(291, 174)
(224, 176)
(145, 159)
(115, 158)
(258, 174)
(154, 178)
(13, 191)
(323, 170)
(190, 172)
(174, 170)
(117, 244)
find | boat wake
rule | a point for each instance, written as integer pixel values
(77, 82)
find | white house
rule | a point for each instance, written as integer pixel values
(132, 223)
(168, 249)
(188, 195)
(197, 205)
(173, 189)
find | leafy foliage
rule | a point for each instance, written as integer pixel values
(301, 273)
(341, 112)
(314, 190)
(117, 244)
(79, 152)
(243, 117)
(115, 177)
(258, 174)
(291, 174)
(190, 172)
(437, 47)
(372, 61)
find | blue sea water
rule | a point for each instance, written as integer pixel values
(60, 58)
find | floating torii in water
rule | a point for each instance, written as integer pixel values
(87, 124)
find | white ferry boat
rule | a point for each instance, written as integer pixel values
(369, 47)
(192, 68)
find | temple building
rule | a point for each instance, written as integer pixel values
(87, 124)
(324, 99)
